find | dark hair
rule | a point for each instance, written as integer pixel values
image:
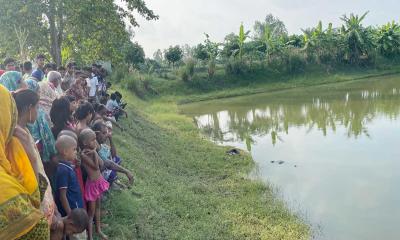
(40, 56)
(61, 68)
(80, 218)
(24, 99)
(84, 110)
(98, 125)
(8, 61)
(60, 114)
(71, 98)
(71, 64)
(99, 107)
(118, 94)
(27, 66)
(113, 96)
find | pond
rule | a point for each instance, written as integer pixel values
(333, 151)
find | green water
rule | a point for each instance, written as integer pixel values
(332, 151)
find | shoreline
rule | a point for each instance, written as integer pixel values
(189, 187)
(272, 87)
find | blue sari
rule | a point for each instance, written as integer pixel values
(40, 130)
(12, 80)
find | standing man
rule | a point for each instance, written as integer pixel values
(69, 77)
(40, 60)
(93, 85)
(27, 70)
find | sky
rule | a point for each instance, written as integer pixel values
(185, 21)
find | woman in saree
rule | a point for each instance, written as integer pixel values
(41, 133)
(27, 105)
(12, 80)
(20, 215)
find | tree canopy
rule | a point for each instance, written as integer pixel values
(84, 29)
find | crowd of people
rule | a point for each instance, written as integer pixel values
(57, 155)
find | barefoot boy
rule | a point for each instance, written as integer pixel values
(68, 195)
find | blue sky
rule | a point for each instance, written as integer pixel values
(185, 21)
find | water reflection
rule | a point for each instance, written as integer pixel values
(340, 148)
(352, 110)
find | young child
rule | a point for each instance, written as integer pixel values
(83, 115)
(68, 193)
(96, 185)
(76, 222)
(109, 154)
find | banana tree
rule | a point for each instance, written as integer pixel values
(358, 40)
(242, 37)
(389, 40)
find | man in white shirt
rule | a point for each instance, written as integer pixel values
(93, 83)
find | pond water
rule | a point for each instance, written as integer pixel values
(332, 151)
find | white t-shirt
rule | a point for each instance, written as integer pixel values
(111, 105)
(93, 82)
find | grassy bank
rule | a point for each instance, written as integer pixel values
(187, 187)
(224, 86)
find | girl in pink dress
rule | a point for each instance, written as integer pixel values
(96, 185)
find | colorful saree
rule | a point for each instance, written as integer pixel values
(20, 215)
(12, 80)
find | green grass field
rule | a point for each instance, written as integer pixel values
(187, 187)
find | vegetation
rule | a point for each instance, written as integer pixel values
(189, 188)
(269, 54)
(69, 29)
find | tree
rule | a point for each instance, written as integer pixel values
(230, 45)
(358, 40)
(158, 56)
(200, 52)
(273, 25)
(135, 54)
(83, 23)
(242, 37)
(389, 40)
(173, 55)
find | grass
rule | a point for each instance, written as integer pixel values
(187, 187)
(224, 86)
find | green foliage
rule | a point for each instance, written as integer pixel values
(358, 40)
(236, 67)
(200, 52)
(189, 188)
(242, 37)
(70, 29)
(173, 55)
(389, 40)
(134, 54)
(187, 71)
(211, 68)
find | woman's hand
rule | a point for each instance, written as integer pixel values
(25, 139)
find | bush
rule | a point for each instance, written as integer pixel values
(134, 84)
(296, 63)
(187, 72)
(236, 67)
(119, 74)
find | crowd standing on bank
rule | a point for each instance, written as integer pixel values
(57, 155)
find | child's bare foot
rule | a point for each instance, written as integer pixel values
(102, 235)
